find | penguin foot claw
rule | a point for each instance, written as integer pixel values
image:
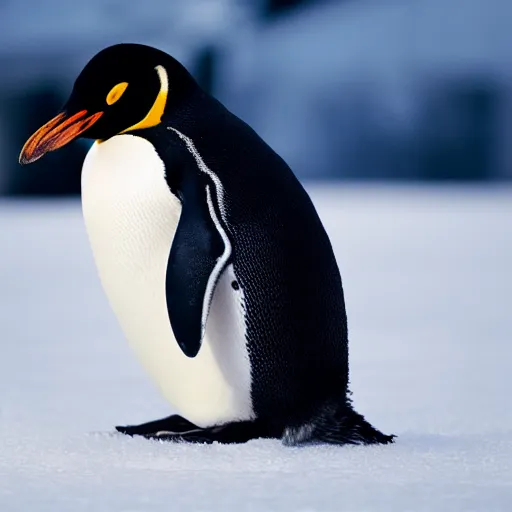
(197, 437)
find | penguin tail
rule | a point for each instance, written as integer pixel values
(336, 424)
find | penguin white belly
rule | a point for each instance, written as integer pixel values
(131, 218)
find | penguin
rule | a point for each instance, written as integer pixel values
(212, 256)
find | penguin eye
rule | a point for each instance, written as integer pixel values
(116, 92)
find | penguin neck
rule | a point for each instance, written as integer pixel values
(186, 112)
(189, 115)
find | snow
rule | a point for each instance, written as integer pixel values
(427, 280)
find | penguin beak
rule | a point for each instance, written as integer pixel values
(56, 133)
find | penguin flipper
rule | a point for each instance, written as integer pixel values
(200, 252)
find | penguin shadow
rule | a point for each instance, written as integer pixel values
(409, 441)
(270, 441)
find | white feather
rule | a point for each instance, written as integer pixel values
(204, 168)
(219, 265)
(131, 218)
(164, 79)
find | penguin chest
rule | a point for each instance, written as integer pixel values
(131, 217)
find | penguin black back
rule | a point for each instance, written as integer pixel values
(297, 327)
(303, 362)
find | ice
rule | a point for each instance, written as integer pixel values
(428, 287)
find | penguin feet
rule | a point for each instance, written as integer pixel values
(175, 424)
(339, 424)
(178, 429)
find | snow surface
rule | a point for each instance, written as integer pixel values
(428, 285)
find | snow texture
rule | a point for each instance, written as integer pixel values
(428, 286)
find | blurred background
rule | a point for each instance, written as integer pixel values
(401, 90)
(397, 116)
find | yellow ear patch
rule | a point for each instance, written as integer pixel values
(116, 92)
(156, 112)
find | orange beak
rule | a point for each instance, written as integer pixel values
(55, 134)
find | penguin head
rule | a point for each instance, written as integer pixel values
(123, 88)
